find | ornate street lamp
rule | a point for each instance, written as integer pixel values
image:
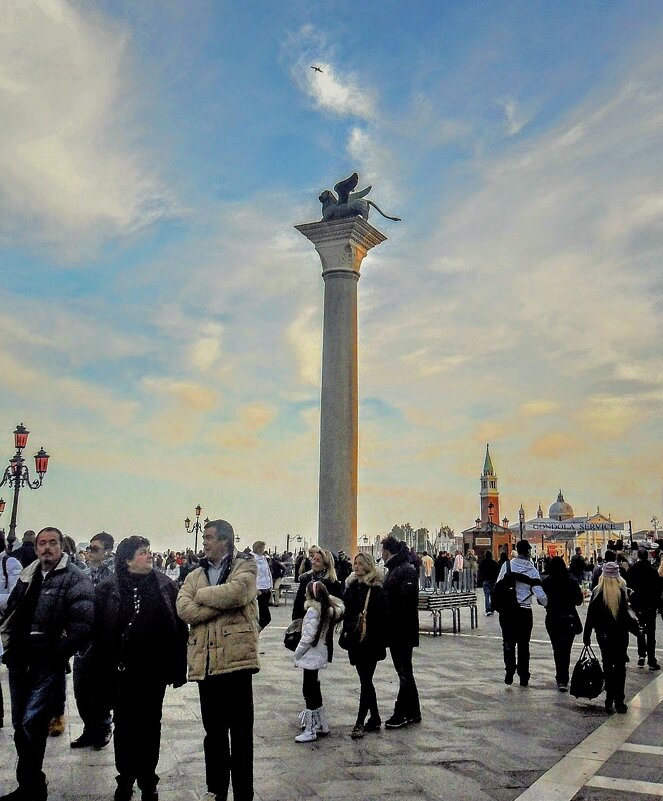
(196, 528)
(17, 475)
(521, 519)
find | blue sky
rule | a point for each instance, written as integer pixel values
(161, 318)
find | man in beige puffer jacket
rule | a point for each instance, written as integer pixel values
(218, 601)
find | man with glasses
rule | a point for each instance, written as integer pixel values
(49, 618)
(91, 697)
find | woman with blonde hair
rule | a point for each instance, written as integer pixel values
(364, 635)
(322, 569)
(609, 615)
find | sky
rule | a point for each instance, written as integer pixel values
(161, 317)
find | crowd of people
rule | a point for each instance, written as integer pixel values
(133, 624)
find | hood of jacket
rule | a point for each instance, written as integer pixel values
(336, 609)
(375, 581)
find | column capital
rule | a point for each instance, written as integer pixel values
(342, 244)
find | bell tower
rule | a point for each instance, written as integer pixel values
(489, 494)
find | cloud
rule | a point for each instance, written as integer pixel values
(187, 394)
(71, 171)
(539, 407)
(515, 118)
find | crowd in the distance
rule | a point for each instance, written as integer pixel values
(132, 624)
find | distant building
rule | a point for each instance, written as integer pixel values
(563, 531)
(488, 534)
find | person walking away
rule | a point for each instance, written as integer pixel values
(578, 566)
(645, 585)
(92, 700)
(26, 554)
(487, 575)
(401, 587)
(138, 648)
(457, 569)
(472, 563)
(48, 618)
(516, 624)
(218, 601)
(264, 583)
(427, 564)
(278, 572)
(313, 653)
(562, 619)
(608, 614)
(322, 569)
(365, 627)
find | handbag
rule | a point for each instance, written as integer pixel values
(293, 634)
(587, 677)
(351, 638)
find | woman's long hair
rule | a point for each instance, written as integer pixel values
(611, 589)
(557, 569)
(328, 560)
(316, 591)
(369, 564)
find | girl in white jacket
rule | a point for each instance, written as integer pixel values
(322, 613)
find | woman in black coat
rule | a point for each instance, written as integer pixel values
(562, 620)
(322, 569)
(487, 575)
(138, 648)
(365, 636)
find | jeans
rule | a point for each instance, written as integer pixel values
(93, 709)
(137, 741)
(516, 632)
(226, 705)
(488, 594)
(368, 702)
(407, 702)
(34, 693)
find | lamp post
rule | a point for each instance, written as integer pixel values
(17, 474)
(196, 528)
(654, 522)
(521, 520)
(491, 506)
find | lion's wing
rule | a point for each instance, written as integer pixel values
(359, 195)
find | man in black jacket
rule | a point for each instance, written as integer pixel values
(26, 553)
(645, 584)
(401, 586)
(49, 617)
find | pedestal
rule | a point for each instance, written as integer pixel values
(341, 245)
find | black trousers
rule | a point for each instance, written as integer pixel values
(93, 704)
(368, 701)
(137, 711)
(311, 689)
(264, 615)
(407, 702)
(226, 705)
(647, 640)
(613, 656)
(561, 639)
(516, 633)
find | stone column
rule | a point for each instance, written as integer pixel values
(341, 245)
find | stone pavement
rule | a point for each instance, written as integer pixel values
(479, 740)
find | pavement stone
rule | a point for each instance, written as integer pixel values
(479, 740)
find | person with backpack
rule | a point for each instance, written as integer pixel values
(644, 583)
(516, 619)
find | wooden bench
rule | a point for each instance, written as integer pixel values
(437, 602)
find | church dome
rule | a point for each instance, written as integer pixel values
(560, 510)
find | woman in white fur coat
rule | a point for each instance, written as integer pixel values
(323, 611)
